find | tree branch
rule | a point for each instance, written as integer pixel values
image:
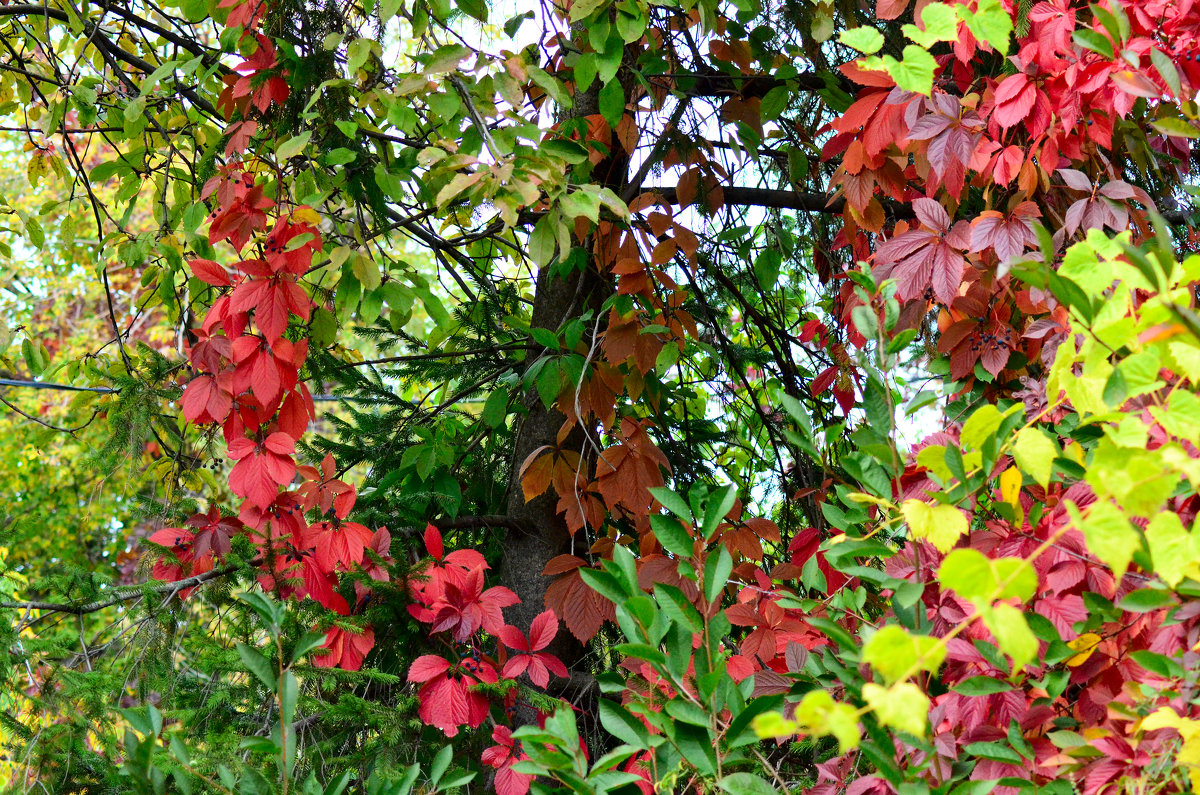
(715, 83)
(828, 203)
(781, 199)
(79, 609)
(97, 37)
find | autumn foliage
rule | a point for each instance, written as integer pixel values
(706, 560)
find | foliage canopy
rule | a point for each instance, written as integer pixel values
(659, 396)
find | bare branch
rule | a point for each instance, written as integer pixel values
(171, 588)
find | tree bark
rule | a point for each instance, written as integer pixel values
(539, 533)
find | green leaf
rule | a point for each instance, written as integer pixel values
(543, 241)
(1012, 633)
(446, 58)
(717, 569)
(983, 423)
(817, 713)
(1095, 41)
(1176, 127)
(495, 409)
(257, 664)
(1166, 67)
(1014, 577)
(977, 578)
(358, 52)
(915, 72)
(604, 584)
(1173, 549)
(1158, 664)
(981, 686)
(582, 9)
(746, 784)
(686, 711)
(940, 24)
(570, 151)
(307, 643)
(1145, 600)
(581, 204)
(289, 692)
(719, 504)
(673, 536)
(695, 744)
(822, 22)
(612, 102)
(866, 40)
(475, 8)
(672, 502)
(996, 751)
(618, 722)
(270, 611)
(293, 145)
(437, 768)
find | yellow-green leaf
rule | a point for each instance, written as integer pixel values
(940, 24)
(865, 39)
(1034, 453)
(1012, 633)
(1108, 533)
(941, 525)
(896, 654)
(915, 72)
(902, 706)
(990, 23)
(1172, 547)
(818, 714)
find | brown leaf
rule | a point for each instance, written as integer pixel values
(536, 471)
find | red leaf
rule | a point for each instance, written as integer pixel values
(345, 649)
(542, 630)
(513, 638)
(337, 545)
(1014, 99)
(538, 674)
(823, 380)
(931, 214)
(554, 664)
(260, 470)
(1075, 179)
(210, 272)
(207, 398)
(433, 542)
(515, 666)
(510, 782)
(427, 667)
(890, 9)
(561, 564)
(1063, 611)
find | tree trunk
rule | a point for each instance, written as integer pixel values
(539, 533)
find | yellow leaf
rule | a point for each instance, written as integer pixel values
(1086, 645)
(869, 499)
(1010, 487)
(306, 215)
